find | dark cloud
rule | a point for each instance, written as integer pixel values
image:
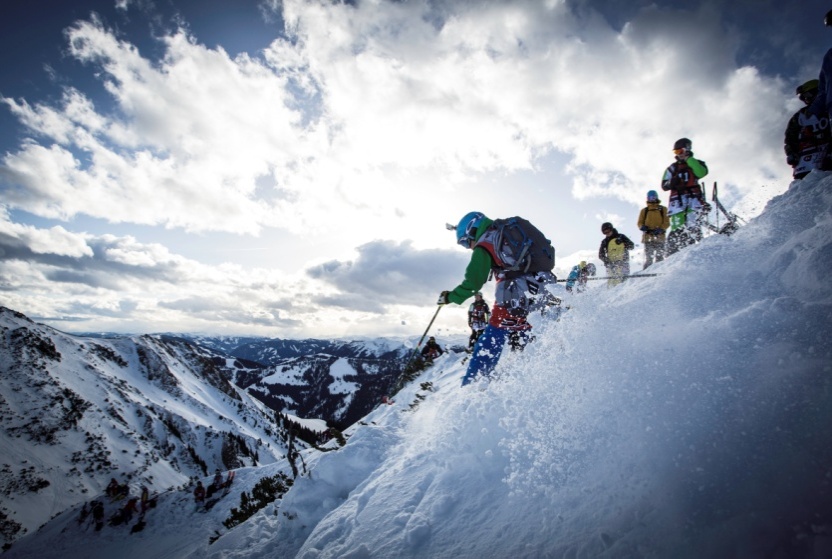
(97, 271)
(388, 272)
(774, 36)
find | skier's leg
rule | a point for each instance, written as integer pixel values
(472, 339)
(487, 353)
(671, 246)
(660, 249)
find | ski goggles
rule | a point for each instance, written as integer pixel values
(679, 151)
(466, 239)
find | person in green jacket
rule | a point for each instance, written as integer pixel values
(516, 294)
(687, 206)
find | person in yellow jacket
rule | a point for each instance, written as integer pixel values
(653, 221)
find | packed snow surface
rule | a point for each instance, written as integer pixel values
(686, 415)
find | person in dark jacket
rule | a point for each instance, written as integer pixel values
(130, 509)
(687, 206)
(98, 514)
(615, 254)
(112, 488)
(822, 104)
(432, 350)
(807, 135)
(199, 494)
(478, 315)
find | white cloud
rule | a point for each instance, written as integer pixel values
(55, 240)
(117, 283)
(361, 93)
(376, 121)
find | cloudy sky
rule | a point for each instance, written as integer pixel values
(286, 167)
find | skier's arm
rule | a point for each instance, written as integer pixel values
(698, 167)
(668, 177)
(476, 274)
(642, 217)
(628, 244)
(792, 139)
(602, 252)
(820, 106)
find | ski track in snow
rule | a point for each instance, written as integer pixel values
(684, 416)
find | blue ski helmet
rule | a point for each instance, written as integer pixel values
(466, 231)
(652, 196)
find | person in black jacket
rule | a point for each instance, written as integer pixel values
(431, 350)
(615, 254)
(478, 315)
(807, 135)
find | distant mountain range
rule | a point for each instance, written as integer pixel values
(159, 410)
(338, 381)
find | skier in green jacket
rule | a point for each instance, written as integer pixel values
(517, 293)
(687, 206)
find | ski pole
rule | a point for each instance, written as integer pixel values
(615, 277)
(399, 383)
(716, 201)
(415, 349)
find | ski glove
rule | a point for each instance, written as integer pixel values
(658, 231)
(443, 298)
(644, 228)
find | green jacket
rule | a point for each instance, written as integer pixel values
(476, 274)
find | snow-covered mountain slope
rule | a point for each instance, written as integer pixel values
(685, 415)
(76, 412)
(340, 390)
